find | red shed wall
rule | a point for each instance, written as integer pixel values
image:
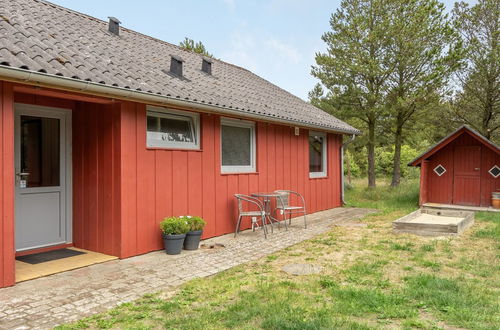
(158, 183)
(441, 189)
(488, 183)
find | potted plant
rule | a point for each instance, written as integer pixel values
(174, 231)
(193, 236)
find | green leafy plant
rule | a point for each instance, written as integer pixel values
(195, 223)
(174, 226)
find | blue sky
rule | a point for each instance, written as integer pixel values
(276, 39)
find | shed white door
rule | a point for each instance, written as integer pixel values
(43, 176)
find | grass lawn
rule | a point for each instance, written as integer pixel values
(371, 279)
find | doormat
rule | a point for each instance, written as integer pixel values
(38, 258)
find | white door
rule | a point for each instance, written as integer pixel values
(43, 176)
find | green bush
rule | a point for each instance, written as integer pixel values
(356, 171)
(384, 158)
(174, 226)
(195, 223)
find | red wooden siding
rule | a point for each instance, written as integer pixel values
(424, 179)
(7, 250)
(157, 183)
(488, 182)
(467, 181)
(441, 187)
(96, 218)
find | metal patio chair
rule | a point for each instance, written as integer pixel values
(254, 214)
(284, 207)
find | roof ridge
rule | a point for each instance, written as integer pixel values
(169, 44)
(136, 32)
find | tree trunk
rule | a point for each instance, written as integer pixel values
(371, 154)
(396, 167)
(348, 166)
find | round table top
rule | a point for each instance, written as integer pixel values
(265, 194)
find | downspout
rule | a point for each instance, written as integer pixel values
(342, 176)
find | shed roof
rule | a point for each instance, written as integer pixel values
(450, 138)
(48, 39)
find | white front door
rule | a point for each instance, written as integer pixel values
(42, 138)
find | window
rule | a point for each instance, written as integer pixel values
(317, 155)
(440, 170)
(172, 129)
(206, 66)
(237, 146)
(176, 65)
(494, 171)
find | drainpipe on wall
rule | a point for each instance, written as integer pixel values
(344, 145)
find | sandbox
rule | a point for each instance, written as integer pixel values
(430, 222)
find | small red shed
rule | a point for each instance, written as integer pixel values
(461, 169)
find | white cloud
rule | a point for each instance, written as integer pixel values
(231, 4)
(241, 51)
(284, 50)
(259, 54)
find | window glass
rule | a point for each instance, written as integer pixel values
(172, 130)
(317, 154)
(40, 151)
(237, 146)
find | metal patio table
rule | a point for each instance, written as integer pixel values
(266, 198)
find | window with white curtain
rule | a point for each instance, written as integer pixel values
(175, 129)
(237, 146)
(317, 155)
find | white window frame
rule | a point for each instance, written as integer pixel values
(177, 115)
(241, 168)
(491, 171)
(324, 173)
(435, 170)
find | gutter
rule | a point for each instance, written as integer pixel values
(92, 88)
(342, 176)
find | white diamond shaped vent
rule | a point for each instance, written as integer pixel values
(439, 170)
(494, 171)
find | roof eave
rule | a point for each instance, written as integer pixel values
(88, 87)
(452, 136)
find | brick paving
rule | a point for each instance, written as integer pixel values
(69, 296)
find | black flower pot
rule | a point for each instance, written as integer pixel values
(173, 243)
(192, 240)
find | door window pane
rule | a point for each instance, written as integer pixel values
(40, 151)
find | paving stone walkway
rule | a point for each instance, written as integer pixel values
(69, 296)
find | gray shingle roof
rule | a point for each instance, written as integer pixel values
(49, 39)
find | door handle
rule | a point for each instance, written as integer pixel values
(477, 169)
(22, 174)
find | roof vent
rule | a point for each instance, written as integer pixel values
(114, 26)
(176, 65)
(206, 65)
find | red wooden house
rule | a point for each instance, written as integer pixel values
(105, 131)
(461, 169)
